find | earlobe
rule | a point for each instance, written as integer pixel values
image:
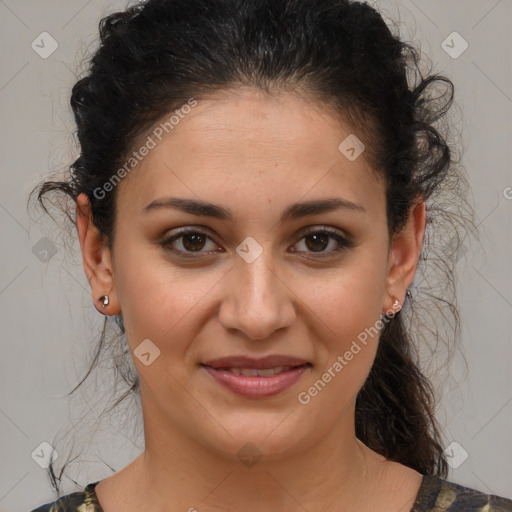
(404, 254)
(96, 259)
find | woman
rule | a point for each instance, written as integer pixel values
(252, 196)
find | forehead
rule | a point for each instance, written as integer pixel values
(247, 141)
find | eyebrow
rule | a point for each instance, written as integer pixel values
(292, 212)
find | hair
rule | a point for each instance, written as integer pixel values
(155, 56)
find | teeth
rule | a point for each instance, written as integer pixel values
(270, 371)
(248, 372)
(253, 372)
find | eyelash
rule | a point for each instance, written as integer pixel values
(345, 244)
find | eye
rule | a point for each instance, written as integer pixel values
(317, 240)
(190, 240)
(194, 241)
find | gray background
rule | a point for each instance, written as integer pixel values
(47, 318)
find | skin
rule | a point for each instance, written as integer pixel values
(255, 154)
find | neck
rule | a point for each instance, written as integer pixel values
(175, 468)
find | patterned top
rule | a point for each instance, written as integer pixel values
(434, 495)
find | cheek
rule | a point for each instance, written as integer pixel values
(348, 305)
(346, 351)
(158, 300)
(349, 299)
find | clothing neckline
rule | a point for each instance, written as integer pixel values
(92, 498)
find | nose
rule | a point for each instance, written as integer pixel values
(257, 300)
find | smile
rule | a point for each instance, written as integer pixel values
(257, 383)
(253, 372)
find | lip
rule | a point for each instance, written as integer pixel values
(257, 387)
(263, 363)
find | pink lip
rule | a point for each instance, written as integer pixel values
(257, 387)
(263, 363)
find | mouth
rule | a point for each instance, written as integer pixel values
(256, 378)
(254, 372)
(263, 363)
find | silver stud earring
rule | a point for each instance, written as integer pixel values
(104, 299)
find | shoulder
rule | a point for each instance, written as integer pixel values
(439, 495)
(82, 501)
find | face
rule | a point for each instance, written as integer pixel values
(255, 273)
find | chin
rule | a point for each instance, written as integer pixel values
(259, 436)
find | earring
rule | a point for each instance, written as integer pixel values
(104, 299)
(393, 310)
(409, 294)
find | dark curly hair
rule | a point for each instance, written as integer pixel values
(156, 55)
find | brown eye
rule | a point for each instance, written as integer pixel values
(191, 241)
(317, 241)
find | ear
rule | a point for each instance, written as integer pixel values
(404, 254)
(96, 258)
